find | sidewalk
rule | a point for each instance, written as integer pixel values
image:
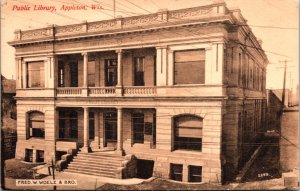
(84, 182)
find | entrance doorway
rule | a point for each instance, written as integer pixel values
(144, 168)
(110, 129)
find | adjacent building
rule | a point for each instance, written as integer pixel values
(181, 90)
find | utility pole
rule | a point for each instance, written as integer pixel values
(114, 9)
(284, 80)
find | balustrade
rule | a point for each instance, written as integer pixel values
(69, 91)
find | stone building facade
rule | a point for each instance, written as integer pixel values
(184, 89)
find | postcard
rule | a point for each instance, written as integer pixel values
(149, 95)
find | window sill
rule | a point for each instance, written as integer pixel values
(187, 152)
(36, 138)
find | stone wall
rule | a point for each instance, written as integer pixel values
(46, 144)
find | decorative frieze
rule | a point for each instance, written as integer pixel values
(190, 13)
(141, 20)
(33, 34)
(102, 25)
(69, 29)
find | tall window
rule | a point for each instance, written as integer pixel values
(35, 74)
(110, 127)
(91, 125)
(73, 125)
(138, 127)
(91, 73)
(74, 74)
(189, 67)
(111, 74)
(188, 132)
(139, 68)
(68, 124)
(36, 124)
(240, 69)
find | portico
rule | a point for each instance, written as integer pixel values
(95, 129)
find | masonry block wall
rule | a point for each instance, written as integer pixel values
(46, 144)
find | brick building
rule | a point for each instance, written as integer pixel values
(183, 91)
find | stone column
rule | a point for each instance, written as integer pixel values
(120, 132)
(50, 71)
(96, 144)
(85, 68)
(86, 146)
(85, 74)
(24, 74)
(18, 60)
(161, 65)
(120, 73)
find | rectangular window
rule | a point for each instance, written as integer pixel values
(39, 156)
(73, 125)
(138, 127)
(91, 73)
(36, 125)
(28, 155)
(91, 125)
(139, 69)
(195, 173)
(74, 74)
(111, 75)
(240, 69)
(110, 128)
(189, 67)
(35, 74)
(68, 125)
(176, 172)
(62, 124)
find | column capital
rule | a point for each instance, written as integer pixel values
(119, 51)
(18, 58)
(85, 107)
(84, 53)
(162, 47)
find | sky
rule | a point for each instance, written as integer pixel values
(275, 22)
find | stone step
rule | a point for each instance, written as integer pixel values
(115, 157)
(94, 163)
(98, 166)
(103, 172)
(92, 173)
(93, 160)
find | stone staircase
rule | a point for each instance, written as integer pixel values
(105, 164)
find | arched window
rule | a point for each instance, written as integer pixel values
(36, 125)
(188, 132)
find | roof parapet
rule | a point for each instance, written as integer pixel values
(162, 16)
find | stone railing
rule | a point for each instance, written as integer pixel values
(101, 90)
(162, 16)
(69, 91)
(141, 90)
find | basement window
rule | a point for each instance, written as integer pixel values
(28, 155)
(176, 172)
(195, 173)
(39, 156)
